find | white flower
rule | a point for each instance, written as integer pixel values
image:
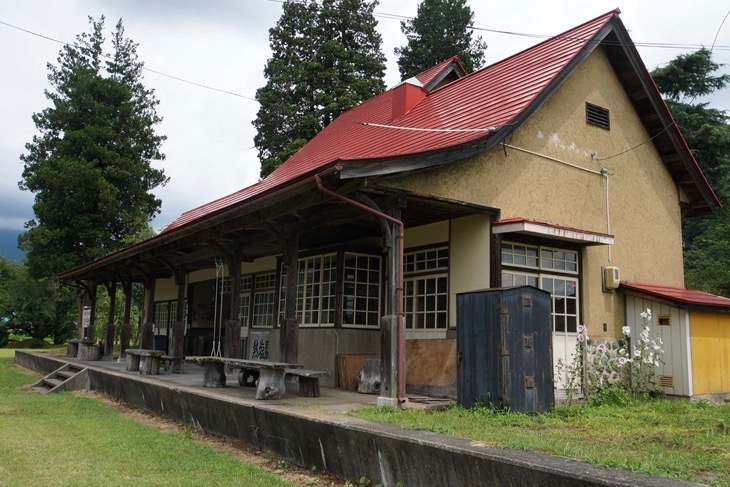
(643, 315)
(648, 313)
(626, 330)
(637, 353)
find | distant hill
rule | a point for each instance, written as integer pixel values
(9, 245)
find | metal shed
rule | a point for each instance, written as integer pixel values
(504, 348)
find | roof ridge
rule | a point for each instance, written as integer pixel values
(610, 14)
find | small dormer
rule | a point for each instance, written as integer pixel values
(408, 93)
(441, 74)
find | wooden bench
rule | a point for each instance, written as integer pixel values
(271, 378)
(308, 380)
(147, 362)
(172, 364)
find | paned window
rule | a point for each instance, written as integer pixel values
(316, 282)
(244, 302)
(546, 263)
(426, 292)
(264, 299)
(361, 293)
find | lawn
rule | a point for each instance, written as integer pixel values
(669, 438)
(64, 439)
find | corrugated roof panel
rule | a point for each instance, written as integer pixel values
(490, 97)
(678, 294)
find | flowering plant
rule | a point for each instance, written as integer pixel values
(600, 370)
(645, 358)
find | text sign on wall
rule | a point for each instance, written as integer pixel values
(86, 317)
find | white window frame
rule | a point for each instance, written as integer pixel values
(311, 292)
(542, 272)
(264, 288)
(372, 285)
(412, 277)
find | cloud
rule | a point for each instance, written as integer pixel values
(14, 223)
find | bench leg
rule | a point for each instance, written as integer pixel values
(214, 375)
(248, 377)
(176, 366)
(309, 386)
(132, 362)
(149, 365)
(271, 384)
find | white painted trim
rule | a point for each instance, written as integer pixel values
(552, 231)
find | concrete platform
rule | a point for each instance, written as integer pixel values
(316, 432)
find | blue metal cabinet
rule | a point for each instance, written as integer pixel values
(504, 349)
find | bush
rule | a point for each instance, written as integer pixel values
(4, 336)
(36, 343)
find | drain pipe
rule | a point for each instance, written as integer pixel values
(399, 290)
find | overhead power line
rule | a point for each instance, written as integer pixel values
(160, 73)
(664, 45)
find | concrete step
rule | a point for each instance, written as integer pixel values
(52, 382)
(66, 374)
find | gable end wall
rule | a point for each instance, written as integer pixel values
(643, 198)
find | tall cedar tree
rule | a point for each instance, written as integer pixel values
(90, 167)
(706, 129)
(326, 59)
(441, 29)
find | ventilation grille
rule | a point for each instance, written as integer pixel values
(666, 380)
(597, 116)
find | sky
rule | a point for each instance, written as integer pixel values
(223, 44)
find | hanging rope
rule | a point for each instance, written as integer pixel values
(219, 276)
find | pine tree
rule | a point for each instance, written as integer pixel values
(441, 29)
(326, 59)
(90, 167)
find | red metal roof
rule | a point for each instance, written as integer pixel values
(678, 294)
(432, 73)
(486, 99)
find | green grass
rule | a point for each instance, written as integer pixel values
(66, 440)
(668, 438)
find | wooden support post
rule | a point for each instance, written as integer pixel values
(232, 346)
(80, 297)
(111, 289)
(147, 332)
(177, 341)
(289, 337)
(126, 334)
(389, 323)
(91, 329)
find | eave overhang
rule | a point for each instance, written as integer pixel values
(677, 297)
(549, 230)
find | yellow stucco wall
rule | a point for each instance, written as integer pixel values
(644, 207)
(468, 259)
(165, 289)
(430, 234)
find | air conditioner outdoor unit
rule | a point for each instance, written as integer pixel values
(611, 277)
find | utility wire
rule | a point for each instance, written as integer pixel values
(636, 146)
(183, 80)
(718, 31)
(664, 45)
